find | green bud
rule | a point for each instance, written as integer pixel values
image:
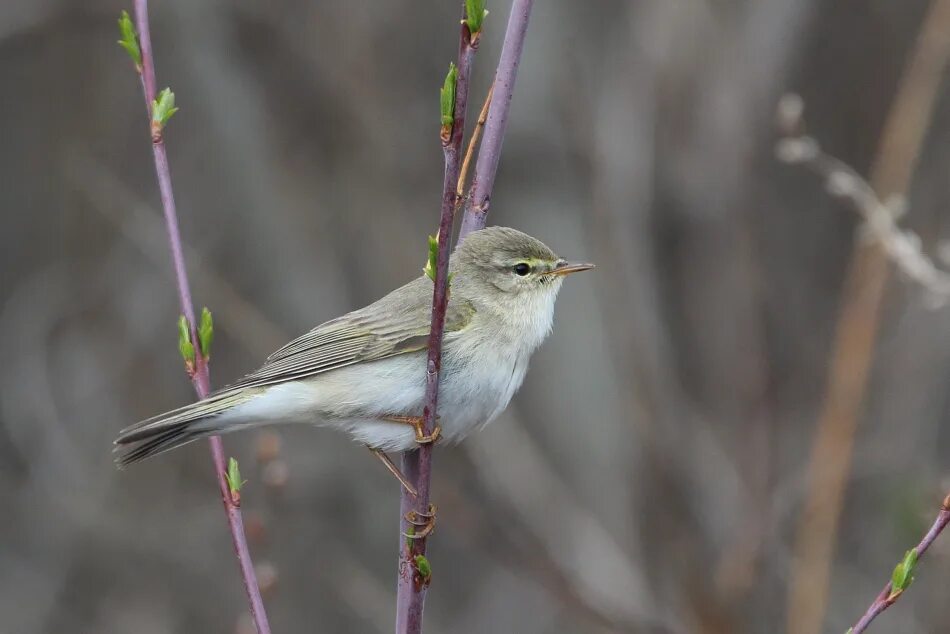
(422, 565)
(205, 333)
(163, 108)
(433, 258)
(233, 476)
(129, 41)
(474, 15)
(902, 576)
(447, 97)
(185, 346)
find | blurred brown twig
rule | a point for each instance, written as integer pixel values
(856, 330)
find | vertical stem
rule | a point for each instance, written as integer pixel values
(476, 209)
(417, 465)
(201, 378)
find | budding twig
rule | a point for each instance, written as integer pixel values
(415, 573)
(160, 109)
(903, 572)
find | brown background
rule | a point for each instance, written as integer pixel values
(651, 472)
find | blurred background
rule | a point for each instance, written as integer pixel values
(656, 471)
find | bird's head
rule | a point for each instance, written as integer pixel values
(509, 270)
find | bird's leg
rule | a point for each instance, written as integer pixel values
(393, 469)
(422, 523)
(418, 423)
(422, 438)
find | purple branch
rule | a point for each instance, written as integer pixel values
(887, 598)
(417, 465)
(200, 377)
(476, 209)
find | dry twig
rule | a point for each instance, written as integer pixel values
(414, 570)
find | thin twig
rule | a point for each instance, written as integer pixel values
(417, 465)
(476, 208)
(472, 142)
(887, 598)
(200, 378)
(856, 330)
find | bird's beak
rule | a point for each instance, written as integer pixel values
(566, 268)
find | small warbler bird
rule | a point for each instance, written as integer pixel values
(365, 372)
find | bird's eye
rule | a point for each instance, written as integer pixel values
(522, 268)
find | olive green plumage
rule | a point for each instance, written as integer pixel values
(353, 370)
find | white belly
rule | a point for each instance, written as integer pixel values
(469, 398)
(358, 397)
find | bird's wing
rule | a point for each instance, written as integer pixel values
(396, 324)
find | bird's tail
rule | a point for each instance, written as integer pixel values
(161, 433)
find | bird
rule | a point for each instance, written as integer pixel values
(365, 372)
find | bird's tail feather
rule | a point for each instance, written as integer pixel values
(161, 433)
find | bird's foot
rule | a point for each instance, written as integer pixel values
(418, 424)
(421, 524)
(393, 469)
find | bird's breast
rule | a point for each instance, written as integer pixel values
(479, 377)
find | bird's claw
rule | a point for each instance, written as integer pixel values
(422, 523)
(418, 425)
(425, 439)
